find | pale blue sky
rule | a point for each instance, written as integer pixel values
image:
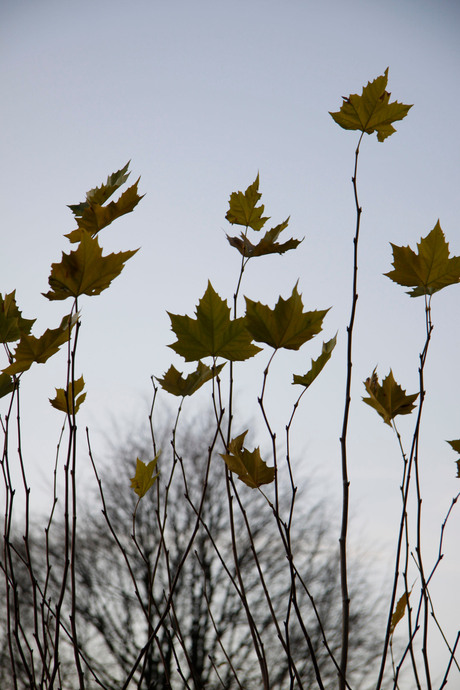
(200, 96)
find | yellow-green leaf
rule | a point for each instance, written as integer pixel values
(85, 271)
(317, 365)
(64, 397)
(430, 269)
(267, 245)
(91, 215)
(372, 111)
(144, 478)
(388, 399)
(287, 325)
(6, 385)
(31, 349)
(174, 382)
(399, 611)
(99, 195)
(212, 333)
(96, 217)
(248, 465)
(12, 325)
(243, 209)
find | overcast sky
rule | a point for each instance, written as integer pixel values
(201, 96)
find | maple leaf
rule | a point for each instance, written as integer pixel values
(12, 325)
(388, 399)
(267, 245)
(64, 397)
(284, 326)
(31, 349)
(6, 385)
(144, 479)
(212, 333)
(428, 271)
(317, 365)
(372, 111)
(248, 465)
(96, 217)
(85, 271)
(243, 209)
(399, 611)
(174, 382)
(92, 216)
(456, 446)
(99, 195)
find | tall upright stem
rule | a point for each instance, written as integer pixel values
(343, 444)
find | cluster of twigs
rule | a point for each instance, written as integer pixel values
(279, 612)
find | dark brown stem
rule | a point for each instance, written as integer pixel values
(418, 549)
(343, 444)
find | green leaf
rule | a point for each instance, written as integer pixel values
(284, 326)
(144, 479)
(248, 465)
(6, 385)
(12, 325)
(85, 271)
(317, 365)
(243, 209)
(372, 111)
(388, 399)
(31, 349)
(212, 333)
(428, 271)
(63, 399)
(174, 382)
(267, 245)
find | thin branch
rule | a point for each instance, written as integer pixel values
(343, 442)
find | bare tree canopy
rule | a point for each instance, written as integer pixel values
(125, 576)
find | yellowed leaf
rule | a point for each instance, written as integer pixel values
(144, 478)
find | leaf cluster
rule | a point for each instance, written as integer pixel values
(84, 271)
(213, 333)
(244, 210)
